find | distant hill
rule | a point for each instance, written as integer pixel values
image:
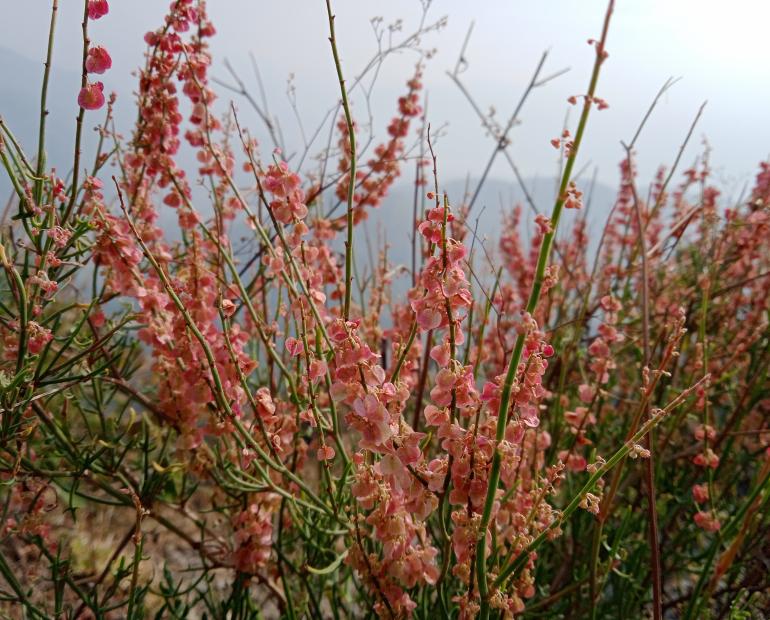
(20, 103)
(19, 106)
(394, 218)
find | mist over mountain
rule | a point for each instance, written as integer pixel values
(20, 109)
(20, 103)
(392, 222)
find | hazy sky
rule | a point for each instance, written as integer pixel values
(719, 48)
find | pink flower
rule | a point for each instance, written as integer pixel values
(91, 97)
(39, 336)
(48, 286)
(294, 346)
(317, 369)
(707, 521)
(441, 354)
(97, 8)
(286, 187)
(435, 416)
(700, 493)
(543, 223)
(528, 415)
(98, 319)
(280, 181)
(586, 393)
(228, 307)
(98, 60)
(574, 462)
(410, 452)
(265, 404)
(325, 453)
(707, 459)
(591, 503)
(373, 421)
(579, 418)
(610, 304)
(705, 432)
(428, 318)
(60, 236)
(253, 531)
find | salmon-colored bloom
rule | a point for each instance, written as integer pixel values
(325, 453)
(91, 96)
(98, 8)
(98, 60)
(700, 493)
(707, 521)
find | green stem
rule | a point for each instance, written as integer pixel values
(652, 422)
(43, 111)
(79, 122)
(352, 170)
(218, 392)
(534, 297)
(693, 609)
(138, 540)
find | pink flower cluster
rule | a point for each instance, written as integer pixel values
(187, 387)
(602, 362)
(442, 297)
(374, 181)
(91, 96)
(395, 489)
(286, 187)
(253, 534)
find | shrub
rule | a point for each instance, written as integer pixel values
(195, 426)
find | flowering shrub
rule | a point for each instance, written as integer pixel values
(196, 427)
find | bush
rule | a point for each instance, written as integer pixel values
(196, 426)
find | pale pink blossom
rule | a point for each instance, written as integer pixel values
(98, 60)
(97, 8)
(91, 96)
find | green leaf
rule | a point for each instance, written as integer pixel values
(331, 568)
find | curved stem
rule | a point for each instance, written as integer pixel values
(79, 123)
(351, 171)
(534, 297)
(43, 111)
